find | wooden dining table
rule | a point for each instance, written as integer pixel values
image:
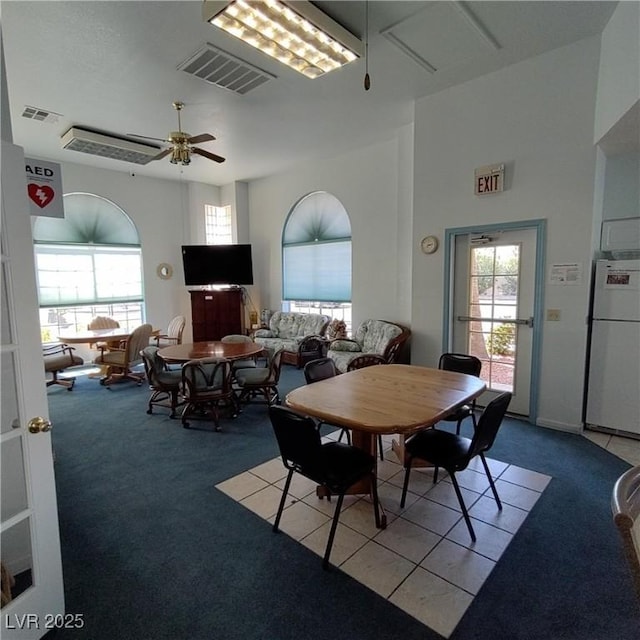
(181, 353)
(91, 336)
(385, 399)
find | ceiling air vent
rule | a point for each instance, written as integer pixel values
(108, 146)
(42, 115)
(224, 70)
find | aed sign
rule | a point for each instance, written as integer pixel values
(44, 188)
(489, 179)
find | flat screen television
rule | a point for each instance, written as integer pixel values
(206, 264)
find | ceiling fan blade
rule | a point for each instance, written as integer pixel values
(203, 137)
(163, 154)
(135, 135)
(206, 154)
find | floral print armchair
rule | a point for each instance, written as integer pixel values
(371, 337)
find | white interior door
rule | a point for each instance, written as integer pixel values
(29, 536)
(493, 309)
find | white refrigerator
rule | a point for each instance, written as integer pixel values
(613, 392)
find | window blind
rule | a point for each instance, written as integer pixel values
(70, 275)
(318, 271)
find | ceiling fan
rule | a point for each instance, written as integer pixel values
(182, 144)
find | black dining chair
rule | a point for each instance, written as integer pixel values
(454, 453)
(321, 369)
(334, 465)
(461, 363)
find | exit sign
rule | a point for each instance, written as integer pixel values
(489, 179)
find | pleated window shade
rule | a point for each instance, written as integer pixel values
(316, 250)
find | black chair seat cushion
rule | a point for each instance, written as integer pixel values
(438, 447)
(339, 466)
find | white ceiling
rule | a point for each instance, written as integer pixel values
(112, 66)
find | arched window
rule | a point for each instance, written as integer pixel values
(316, 257)
(88, 263)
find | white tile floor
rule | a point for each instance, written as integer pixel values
(626, 448)
(424, 561)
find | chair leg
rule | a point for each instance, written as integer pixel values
(491, 483)
(405, 484)
(285, 491)
(380, 451)
(465, 513)
(374, 496)
(332, 533)
(458, 427)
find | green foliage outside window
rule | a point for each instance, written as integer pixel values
(502, 339)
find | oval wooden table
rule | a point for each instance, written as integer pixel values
(181, 353)
(387, 398)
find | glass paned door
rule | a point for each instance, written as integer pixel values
(493, 303)
(32, 589)
(494, 284)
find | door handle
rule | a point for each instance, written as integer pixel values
(523, 321)
(39, 425)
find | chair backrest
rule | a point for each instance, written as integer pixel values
(298, 439)
(235, 338)
(625, 505)
(137, 341)
(154, 367)
(488, 425)
(176, 327)
(103, 322)
(275, 365)
(205, 376)
(319, 369)
(460, 363)
(366, 360)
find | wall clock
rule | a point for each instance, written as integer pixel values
(429, 244)
(164, 271)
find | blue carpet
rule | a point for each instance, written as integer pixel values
(151, 550)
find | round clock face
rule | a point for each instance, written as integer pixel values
(429, 244)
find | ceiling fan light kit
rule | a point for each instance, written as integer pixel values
(182, 144)
(296, 34)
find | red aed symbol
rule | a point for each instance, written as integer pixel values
(42, 196)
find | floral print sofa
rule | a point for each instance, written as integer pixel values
(371, 337)
(301, 335)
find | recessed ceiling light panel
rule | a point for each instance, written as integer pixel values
(296, 33)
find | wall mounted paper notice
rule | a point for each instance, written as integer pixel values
(570, 273)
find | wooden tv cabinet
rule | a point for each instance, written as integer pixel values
(216, 313)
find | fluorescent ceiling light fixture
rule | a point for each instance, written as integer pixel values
(295, 32)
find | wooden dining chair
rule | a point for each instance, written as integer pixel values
(164, 383)
(120, 361)
(173, 334)
(261, 380)
(206, 388)
(57, 358)
(336, 466)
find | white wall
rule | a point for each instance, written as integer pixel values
(537, 117)
(374, 185)
(621, 198)
(619, 78)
